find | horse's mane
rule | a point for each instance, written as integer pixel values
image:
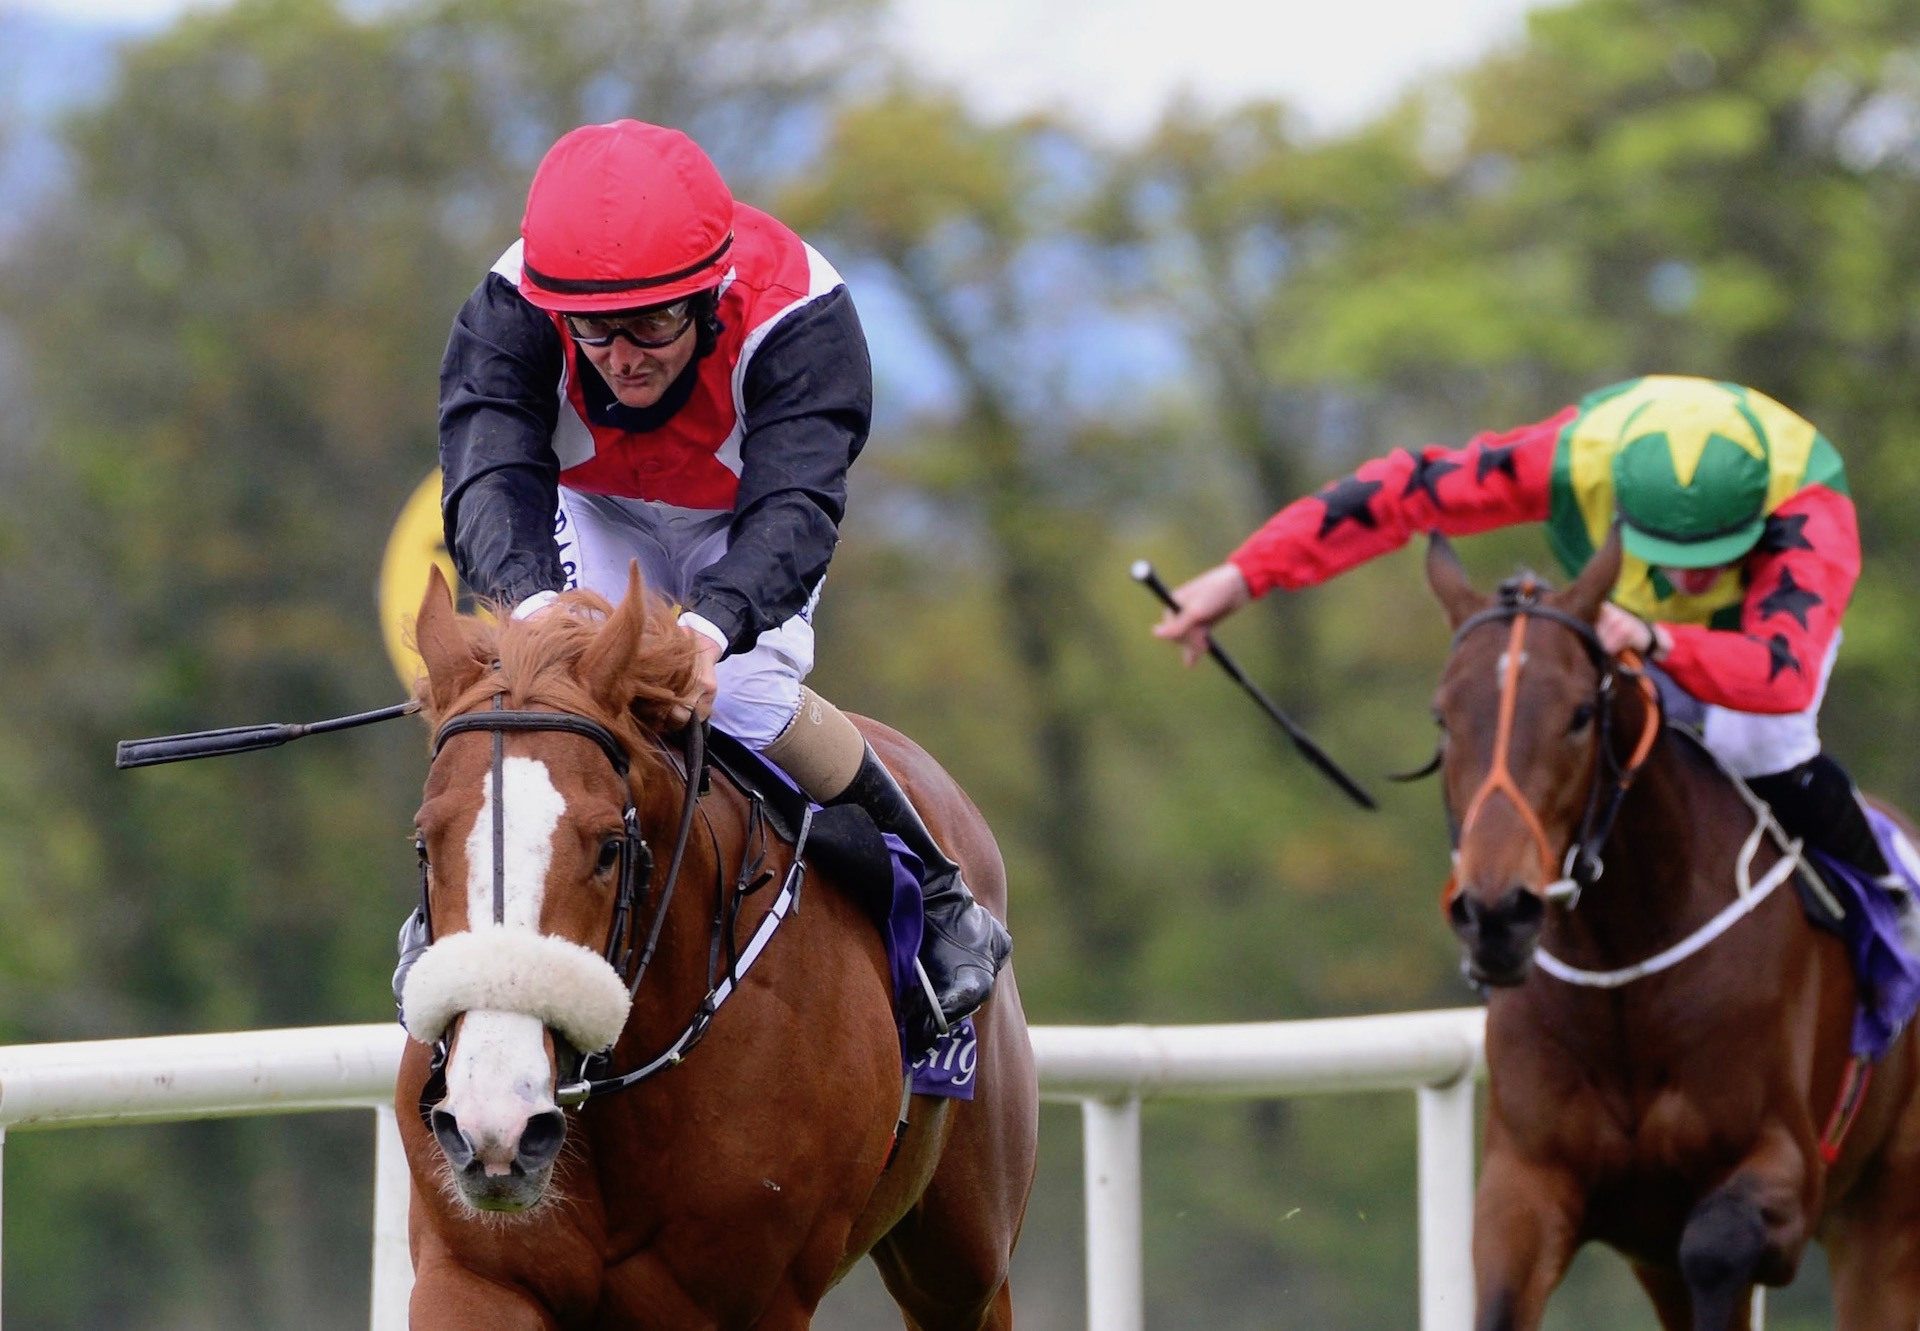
(536, 662)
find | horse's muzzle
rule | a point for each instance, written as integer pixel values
(501, 1176)
(1499, 939)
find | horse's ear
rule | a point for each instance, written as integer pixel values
(451, 666)
(606, 667)
(1448, 579)
(1586, 593)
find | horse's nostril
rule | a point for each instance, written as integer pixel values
(540, 1140)
(454, 1143)
(1460, 910)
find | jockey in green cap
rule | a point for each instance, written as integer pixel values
(1740, 553)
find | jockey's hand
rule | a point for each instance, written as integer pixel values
(1204, 600)
(536, 604)
(1621, 631)
(706, 683)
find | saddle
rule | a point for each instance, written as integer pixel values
(841, 839)
(881, 875)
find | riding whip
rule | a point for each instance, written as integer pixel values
(240, 739)
(1144, 575)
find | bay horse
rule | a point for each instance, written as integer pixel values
(725, 1187)
(1654, 1086)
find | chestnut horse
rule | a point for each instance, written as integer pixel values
(1654, 1086)
(726, 1187)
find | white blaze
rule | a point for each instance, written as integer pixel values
(533, 807)
(499, 1074)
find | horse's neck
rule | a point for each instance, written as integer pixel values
(693, 955)
(676, 975)
(1670, 861)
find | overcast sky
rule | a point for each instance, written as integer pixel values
(1114, 63)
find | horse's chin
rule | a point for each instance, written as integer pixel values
(510, 1194)
(1497, 972)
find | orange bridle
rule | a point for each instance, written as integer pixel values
(1499, 777)
(1581, 863)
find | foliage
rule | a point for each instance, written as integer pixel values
(224, 337)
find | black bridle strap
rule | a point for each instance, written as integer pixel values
(1583, 864)
(577, 1093)
(696, 759)
(1501, 614)
(499, 720)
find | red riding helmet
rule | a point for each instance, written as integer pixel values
(621, 216)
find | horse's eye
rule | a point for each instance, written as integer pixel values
(420, 847)
(609, 855)
(1582, 717)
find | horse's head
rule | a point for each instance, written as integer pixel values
(1524, 705)
(531, 860)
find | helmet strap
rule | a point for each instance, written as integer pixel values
(706, 321)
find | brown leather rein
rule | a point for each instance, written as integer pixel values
(1565, 878)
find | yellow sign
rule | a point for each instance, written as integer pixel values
(415, 546)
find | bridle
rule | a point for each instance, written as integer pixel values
(636, 857)
(1581, 866)
(635, 875)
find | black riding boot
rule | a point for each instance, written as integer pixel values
(1817, 802)
(964, 945)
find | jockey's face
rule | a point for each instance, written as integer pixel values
(1695, 581)
(639, 376)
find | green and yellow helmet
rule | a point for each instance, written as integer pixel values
(1691, 470)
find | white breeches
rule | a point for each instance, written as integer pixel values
(1754, 744)
(759, 690)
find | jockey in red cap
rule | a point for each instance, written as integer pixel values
(656, 372)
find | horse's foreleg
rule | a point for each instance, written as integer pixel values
(447, 1297)
(1526, 1220)
(1669, 1294)
(1873, 1249)
(1750, 1231)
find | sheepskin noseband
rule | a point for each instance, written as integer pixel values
(570, 988)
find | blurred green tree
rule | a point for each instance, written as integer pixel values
(228, 330)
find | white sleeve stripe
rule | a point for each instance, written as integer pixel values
(508, 264)
(822, 280)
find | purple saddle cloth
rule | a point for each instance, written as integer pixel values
(1888, 977)
(948, 1068)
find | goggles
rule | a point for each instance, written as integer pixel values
(649, 330)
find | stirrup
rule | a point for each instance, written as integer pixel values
(940, 1024)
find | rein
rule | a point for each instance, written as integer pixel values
(1582, 864)
(636, 870)
(1748, 896)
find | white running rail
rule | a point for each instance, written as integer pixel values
(1109, 1070)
